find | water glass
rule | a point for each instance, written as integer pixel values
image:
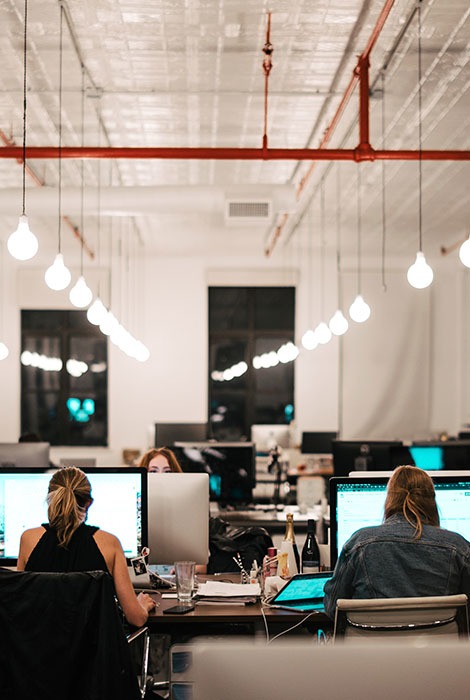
(184, 571)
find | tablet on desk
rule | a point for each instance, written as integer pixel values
(303, 593)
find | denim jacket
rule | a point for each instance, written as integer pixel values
(386, 561)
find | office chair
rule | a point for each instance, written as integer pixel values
(395, 618)
(61, 636)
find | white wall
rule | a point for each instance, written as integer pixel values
(384, 375)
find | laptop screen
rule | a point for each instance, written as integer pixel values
(304, 590)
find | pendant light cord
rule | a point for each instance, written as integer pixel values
(384, 204)
(322, 243)
(338, 234)
(420, 137)
(59, 222)
(82, 170)
(25, 34)
(359, 216)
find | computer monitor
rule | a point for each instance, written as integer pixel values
(178, 512)
(267, 437)
(24, 454)
(231, 467)
(119, 506)
(317, 443)
(80, 462)
(427, 457)
(357, 502)
(365, 455)
(166, 434)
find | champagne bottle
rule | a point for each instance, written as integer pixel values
(310, 551)
(290, 537)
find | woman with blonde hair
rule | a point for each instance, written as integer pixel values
(409, 555)
(160, 460)
(66, 543)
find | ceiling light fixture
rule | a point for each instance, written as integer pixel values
(420, 274)
(58, 276)
(309, 339)
(23, 244)
(338, 324)
(81, 295)
(322, 332)
(464, 252)
(359, 310)
(97, 311)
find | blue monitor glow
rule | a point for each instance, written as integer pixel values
(230, 465)
(428, 457)
(119, 506)
(357, 502)
(24, 455)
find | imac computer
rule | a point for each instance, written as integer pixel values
(166, 434)
(119, 506)
(366, 455)
(267, 437)
(24, 454)
(178, 518)
(317, 443)
(231, 467)
(357, 502)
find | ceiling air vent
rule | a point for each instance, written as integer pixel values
(249, 211)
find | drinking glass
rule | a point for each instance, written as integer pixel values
(184, 571)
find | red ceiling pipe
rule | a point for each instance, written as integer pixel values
(365, 152)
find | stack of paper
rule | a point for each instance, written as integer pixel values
(228, 593)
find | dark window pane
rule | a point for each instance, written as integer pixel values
(257, 395)
(63, 378)
(274, 308)
(228, 308)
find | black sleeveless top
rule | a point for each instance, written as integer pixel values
(81, 554)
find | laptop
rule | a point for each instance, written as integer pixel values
(302, 593)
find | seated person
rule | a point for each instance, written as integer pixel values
(67, 544)
(409, 555)
(160, 460)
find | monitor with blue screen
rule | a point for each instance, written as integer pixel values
(357, 502)
(119, 506)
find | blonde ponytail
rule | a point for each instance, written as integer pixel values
(68, 500)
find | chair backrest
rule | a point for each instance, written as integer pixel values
(402, 617)
(62, 637)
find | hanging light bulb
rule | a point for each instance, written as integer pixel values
(309, 340)
(464, 252)
(3, 351)
(323, 333)
(96, 312)
(108, 324)
(23, 244)
(58, 276)
(420, 274)
(359, 310)
(80, 295)
(338, 323)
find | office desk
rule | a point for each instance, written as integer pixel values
(250, 617)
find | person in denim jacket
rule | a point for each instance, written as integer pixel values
(408, 555)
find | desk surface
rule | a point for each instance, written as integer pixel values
(229, 613)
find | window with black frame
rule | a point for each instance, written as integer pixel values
(244, 323)
(64, 378)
